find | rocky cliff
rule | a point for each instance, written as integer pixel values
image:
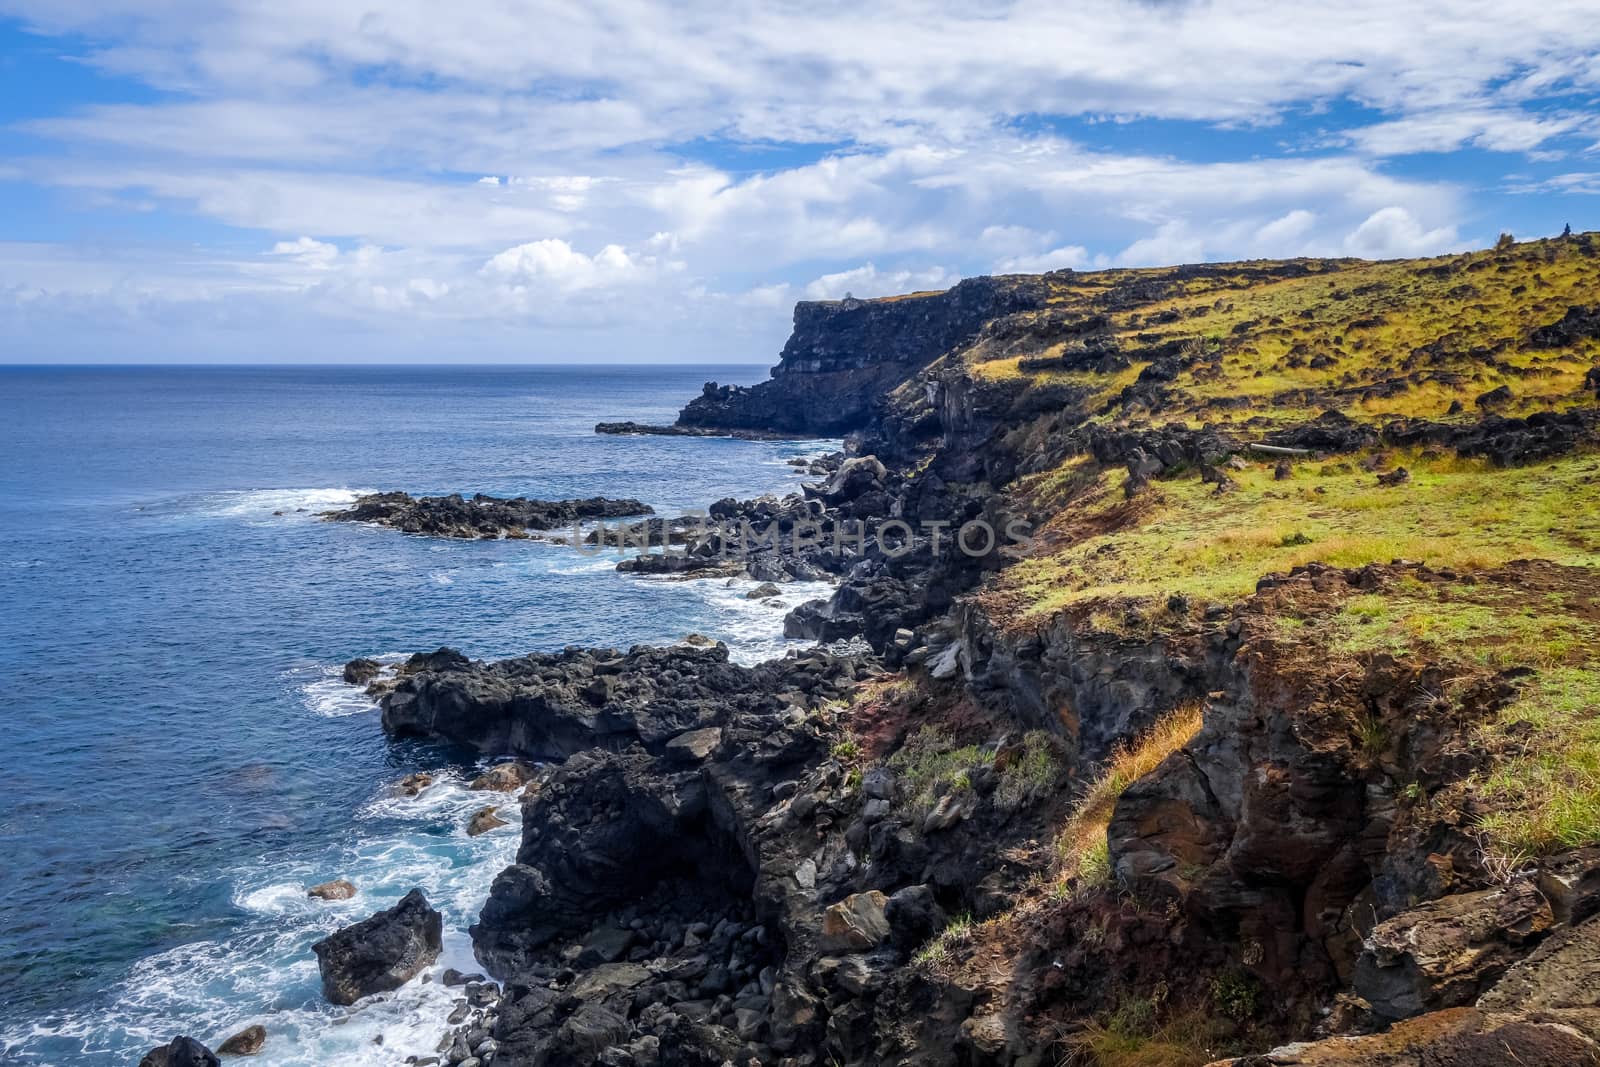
(1274, 742)
(845, 356)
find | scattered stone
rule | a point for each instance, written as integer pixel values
(763, 591)
(857, 922)
(180, 1052)
(504, 777)
(413, 784)
(1398, 476)
(695, 745)
(338, 889)
(1494, 398)
(361, 671)
(480, 516)
(246, 1042)
(380, 953)
(1444, 953)
(483, 820)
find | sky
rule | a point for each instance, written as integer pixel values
(617, 180)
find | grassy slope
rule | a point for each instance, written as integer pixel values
(1261, 350)
(1404, 338)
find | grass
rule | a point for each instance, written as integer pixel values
(931, 764)
(938, 949)
(1185, 540)
(1140, 1033)
(1547, 796)
(1378, 340)
(1030, 773)
(1085, 860)
(1543, 793)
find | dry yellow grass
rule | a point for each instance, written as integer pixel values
(1081, 844)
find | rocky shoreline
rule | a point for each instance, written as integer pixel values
(1059, 803)
(480, 516)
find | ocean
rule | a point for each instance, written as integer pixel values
(181, 757)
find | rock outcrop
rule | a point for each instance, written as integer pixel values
(550, 706)
(379, 953)
(845, 356)
(477, 517)
(180, 1052)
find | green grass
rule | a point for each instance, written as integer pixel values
(1140, 1032)
(1185, 540)
(1547, 796)
(1543, 793)
(1358, 321)
(939, 948)
(1030, 773)
(930, 764)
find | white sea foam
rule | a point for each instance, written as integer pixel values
(323, 690)
(262, 504)
(267, 974)
(753, 629)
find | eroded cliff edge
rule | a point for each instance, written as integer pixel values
(1281, 728)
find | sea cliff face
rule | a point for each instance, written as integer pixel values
(845, 356)
(1271, 743)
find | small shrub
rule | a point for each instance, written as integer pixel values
(1031, 773)
(930, 764)
(1234, 994)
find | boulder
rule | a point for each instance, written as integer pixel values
(180, 1052)
(483, 820)
(1458, 1037)
(1447, 952)
(338, 889)
(914, 916)
(857, 922)
(1563, 972)
(380, 953)
(763, 591)
(413, 784)
(853, 478)
(694, 746)
(246, 1042)
(503, 777)
(361, 671)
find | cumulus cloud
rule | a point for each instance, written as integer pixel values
(1074, 256)
(868, 281)
(555, 261)
(632, 167)
(1394, 232)
(308, 252)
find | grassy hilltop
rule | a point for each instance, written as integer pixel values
(1428, 429)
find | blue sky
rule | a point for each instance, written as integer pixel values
(328, 180)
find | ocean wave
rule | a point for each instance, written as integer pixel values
(753, 629)
(262, 504)
(266, 973)
(323, 690)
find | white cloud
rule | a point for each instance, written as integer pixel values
(617, 164)
(1074, 256)
(308, 252)
(1394, 232)
(553, 260)
(868, 281)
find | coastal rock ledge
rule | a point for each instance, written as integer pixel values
(380, 953)
(480, 516)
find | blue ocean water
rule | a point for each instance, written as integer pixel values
(181, 758)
